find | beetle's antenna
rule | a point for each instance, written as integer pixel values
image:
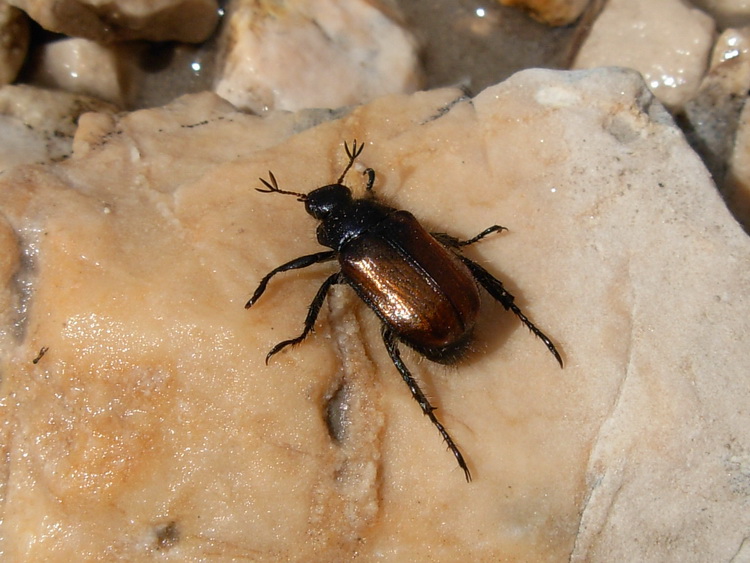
(352, 154)
(274, 187)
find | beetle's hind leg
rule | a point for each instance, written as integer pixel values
(312, 315)
(392, 346)
(495, 288)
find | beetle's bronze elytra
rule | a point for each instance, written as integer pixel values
(420, 285)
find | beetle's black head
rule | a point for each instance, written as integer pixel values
(321, 202)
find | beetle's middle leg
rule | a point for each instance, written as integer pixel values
(455, 242)
(312, 314)
(370, 173)
(496, 289)
(392, 346)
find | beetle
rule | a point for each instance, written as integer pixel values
(420, 285)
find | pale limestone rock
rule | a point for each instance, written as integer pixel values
(313, 53)
(666, 41)
(152, 422)
(190, 21)
(734, 51)
(38, 125)
(82, 66)
(10, 258)
(14, 41)
(730, 45)
(737, 187)
(551, 12)
(712, 117)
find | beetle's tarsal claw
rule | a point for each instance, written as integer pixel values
(276, 349)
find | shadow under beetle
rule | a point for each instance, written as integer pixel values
(424, 290)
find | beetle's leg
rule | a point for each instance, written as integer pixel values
(480, 236)
(454, 242)
(495, 288)
(301, 262)
(392, 346)
(312, 315)
(370, 179)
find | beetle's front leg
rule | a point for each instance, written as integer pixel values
(496, 289)
(392, 346)
(297, 263)
(312, 314)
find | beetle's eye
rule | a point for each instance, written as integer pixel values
(323, 201)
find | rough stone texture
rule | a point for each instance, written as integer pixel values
(713, 118)
(730, 45)
(38, 125)
(551, 12)
(313, 53)
(152, 424)
(82, 66)
(14, 41)
(190, 21)
(737, 186)
(666, 41)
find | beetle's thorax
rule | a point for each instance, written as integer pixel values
(343, 217)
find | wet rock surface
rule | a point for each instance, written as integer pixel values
(152, 423)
